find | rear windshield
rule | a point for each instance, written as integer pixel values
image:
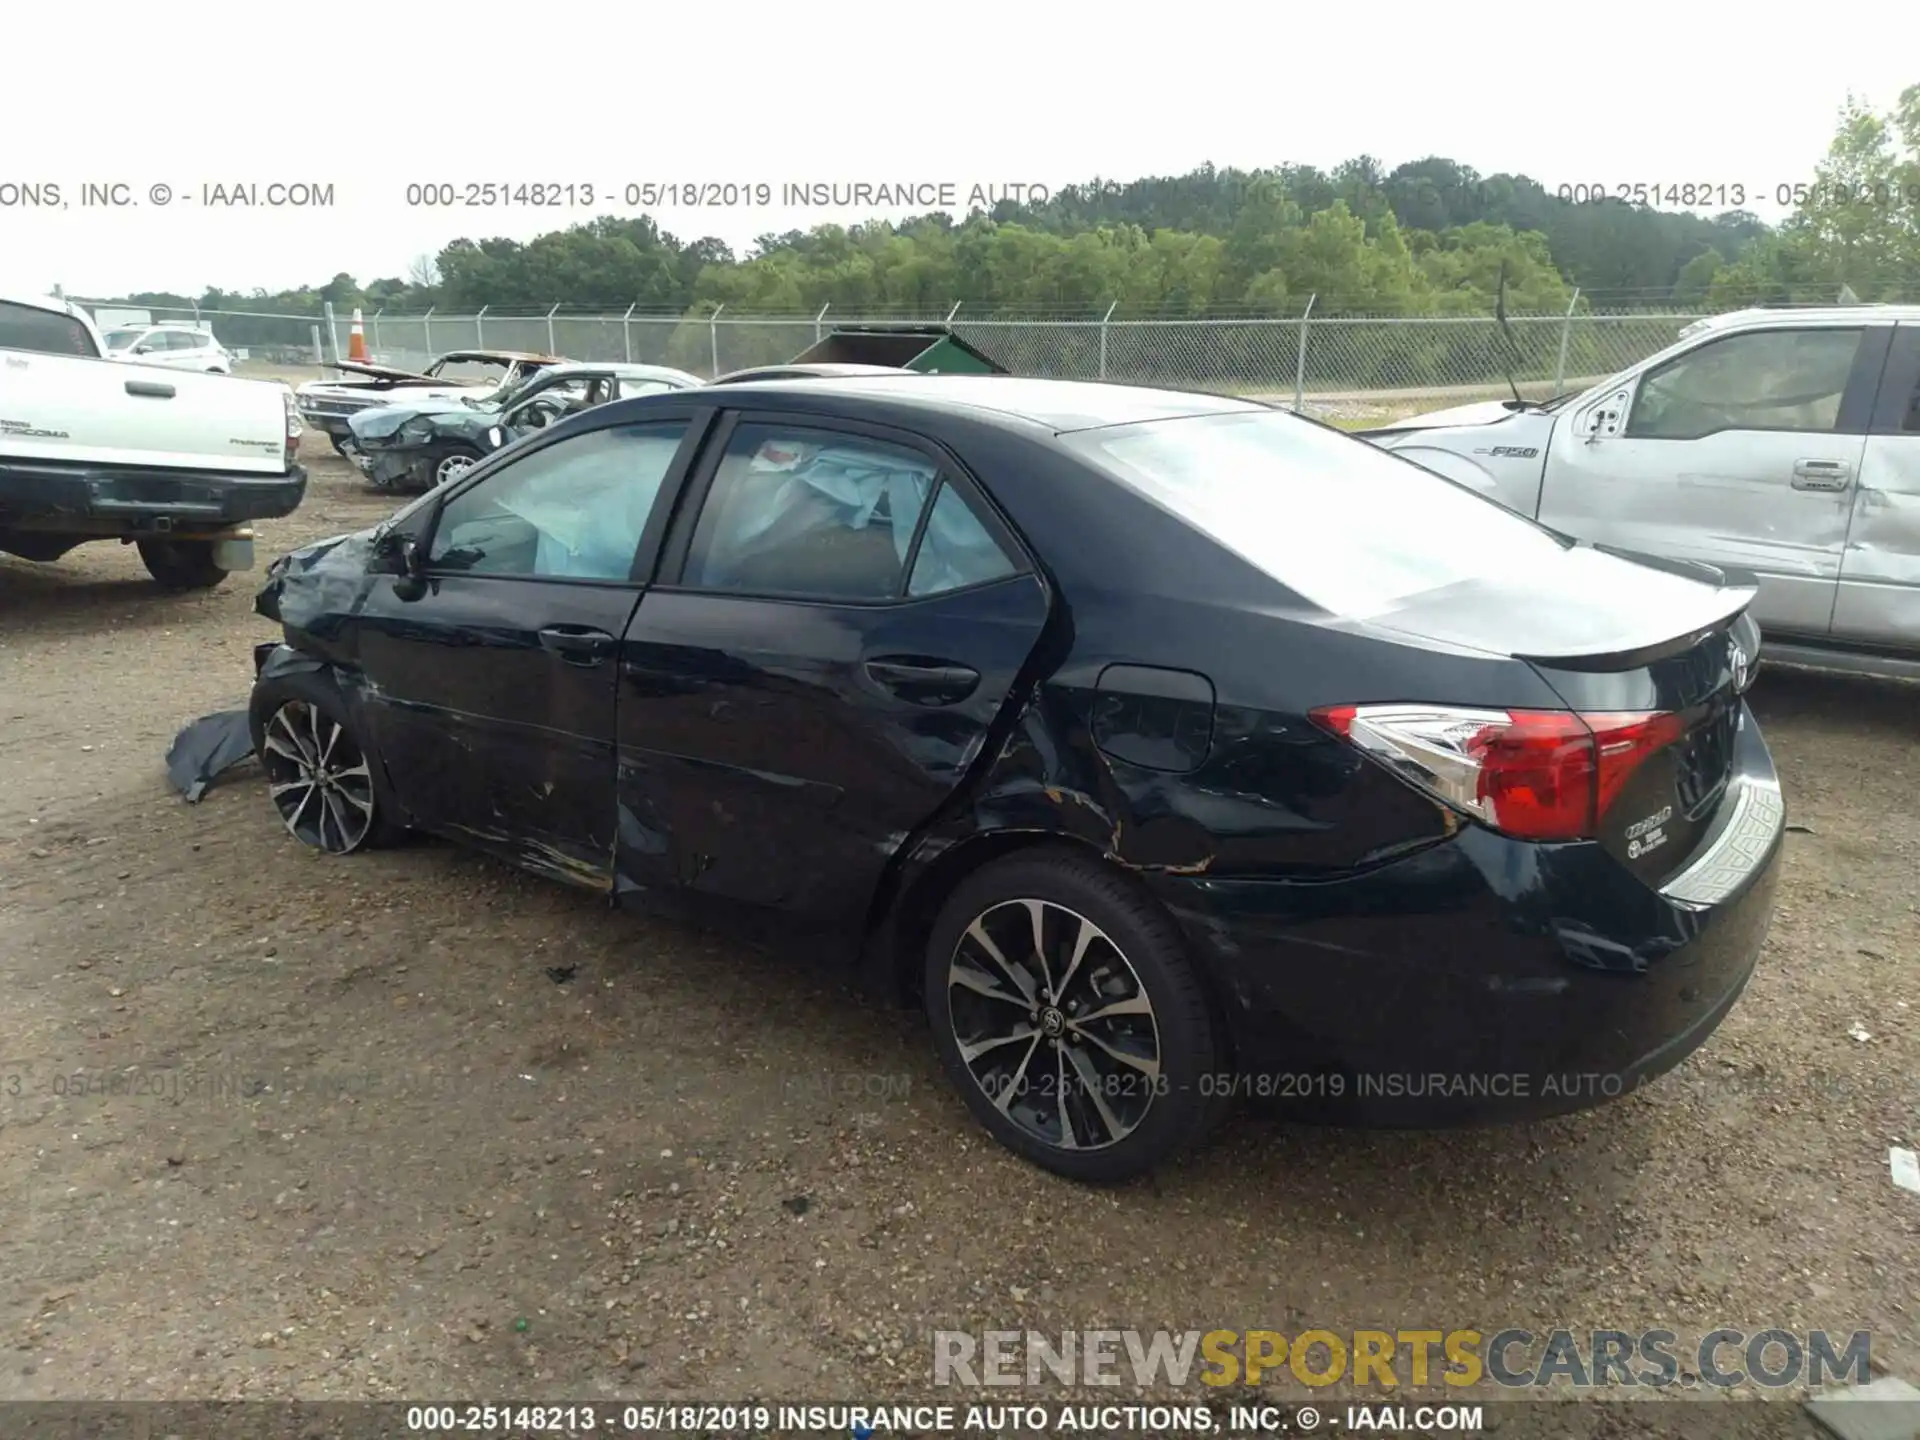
(492, 371)
(1344, 525)
(25, 327)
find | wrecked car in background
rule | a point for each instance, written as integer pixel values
(328, 405)
(418, 445)
(1150, 740)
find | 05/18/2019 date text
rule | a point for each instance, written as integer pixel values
(1731, 195)
(582, 195)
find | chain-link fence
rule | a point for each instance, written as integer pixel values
(1334, 366)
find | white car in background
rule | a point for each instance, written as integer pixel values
(175, 346)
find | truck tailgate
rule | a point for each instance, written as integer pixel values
(69, 410)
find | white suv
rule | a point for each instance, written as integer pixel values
(178, 347)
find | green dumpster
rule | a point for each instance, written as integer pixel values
(930, 349)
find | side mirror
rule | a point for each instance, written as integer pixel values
(143, 349)
(397, 553)
(410, 564)
(1605, 418)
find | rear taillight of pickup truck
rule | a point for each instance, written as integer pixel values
(293, 427)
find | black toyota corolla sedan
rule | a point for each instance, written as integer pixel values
(1166, 747)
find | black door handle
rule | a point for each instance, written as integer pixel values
(924, 682)
(576, 644)
(157, 389)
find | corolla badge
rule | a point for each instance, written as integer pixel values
(1645, 835)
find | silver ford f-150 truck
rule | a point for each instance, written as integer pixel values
(1778, 444)
(175, 462)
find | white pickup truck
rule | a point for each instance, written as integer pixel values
(174, 462)
(1779, 446)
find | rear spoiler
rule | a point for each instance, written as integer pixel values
(1721, 577)
(1726, 594)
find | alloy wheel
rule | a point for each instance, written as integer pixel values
(1054, 1024)
(451, 468)
(320, 782)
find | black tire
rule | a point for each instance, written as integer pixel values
(1159, 1111)
(289, 709)
(181, 564)
(339, 445)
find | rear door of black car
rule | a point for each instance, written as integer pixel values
(838, 623)
(492, 686)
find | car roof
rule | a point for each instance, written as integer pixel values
(624, 370)
(502, 355)
(1059, 405)
(799, 372)
(1770, 316)
(53, 304)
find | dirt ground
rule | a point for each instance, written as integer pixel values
(415, 1125)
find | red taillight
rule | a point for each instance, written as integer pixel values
(293, 428)
(1537, 774)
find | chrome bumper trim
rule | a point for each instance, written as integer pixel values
(1741, 847)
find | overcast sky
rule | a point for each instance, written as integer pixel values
(984, 93)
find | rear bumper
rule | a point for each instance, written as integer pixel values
(140, 500)
(1487, 980)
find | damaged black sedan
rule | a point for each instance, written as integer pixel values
(1167, 748)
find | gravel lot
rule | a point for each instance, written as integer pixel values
(415, 1125)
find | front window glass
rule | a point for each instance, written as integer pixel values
(1764, 380)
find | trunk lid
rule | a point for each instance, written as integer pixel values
(1657, 818)
(1620, 641)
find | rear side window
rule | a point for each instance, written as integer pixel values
(810, 513)
(956, 549)
(1348, 527)
(23, 327)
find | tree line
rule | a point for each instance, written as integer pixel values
(1429, 237)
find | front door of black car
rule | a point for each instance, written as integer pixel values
(493, 691)
(839, 623)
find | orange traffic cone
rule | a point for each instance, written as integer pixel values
(357, 340)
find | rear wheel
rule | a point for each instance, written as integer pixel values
(1068, 1014)
(181, 564)
(320, 776)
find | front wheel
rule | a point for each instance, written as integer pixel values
(320, 776)
(451, 462)
(181, 564)
(1068, 1013)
